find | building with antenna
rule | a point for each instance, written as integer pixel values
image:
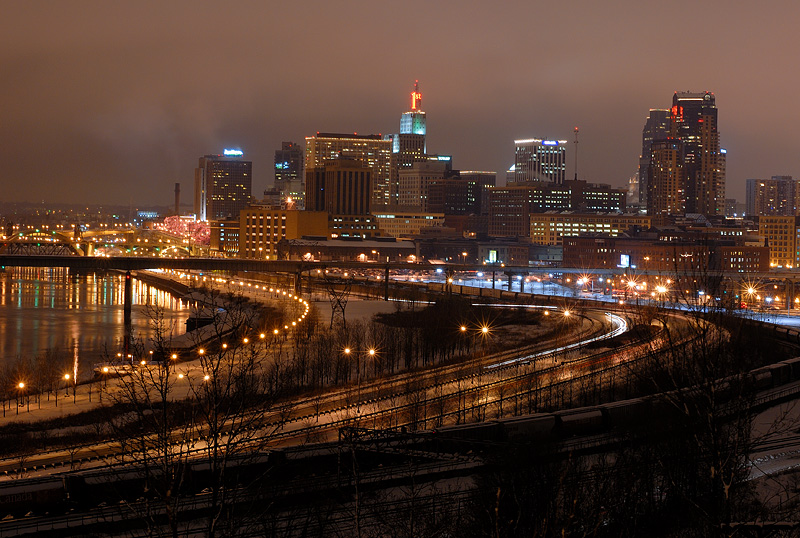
(408, 146)
(414, 121)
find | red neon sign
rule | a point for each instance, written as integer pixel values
(415, 96)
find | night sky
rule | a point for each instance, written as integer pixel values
(113, 102)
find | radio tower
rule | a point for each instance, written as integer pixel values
(576, 153)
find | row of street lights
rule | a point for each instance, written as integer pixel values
(23, 396)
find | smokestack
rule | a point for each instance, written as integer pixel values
(177, 198)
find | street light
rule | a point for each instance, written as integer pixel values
(21, 388)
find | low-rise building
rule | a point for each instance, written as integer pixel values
(649, 255)
(549, 228)
(407, 224)
(262, 228)
(781, 235)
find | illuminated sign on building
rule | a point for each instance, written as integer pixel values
(232, 152)
(416, 97)
(549, 142)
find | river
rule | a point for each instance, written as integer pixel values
(73, 316)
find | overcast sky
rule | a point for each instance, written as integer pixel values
(113, 102)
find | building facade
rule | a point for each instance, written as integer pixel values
(373, 150)
(406, 224)
(655, 128)
(551, 228)
(415, 181)
(666, 179)
(693, 120)
(510, 207)
(289, 174)
(536, 159)
(780, 233)
(224, 237)
(692, 259)
(222, 185)
(775, 196)
(342, 187)
(261, 229)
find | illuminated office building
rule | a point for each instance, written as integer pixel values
(666, 182)
(781, 234)
(550, 228)
(510, 207)
(342, 187)
(289, 175)
(414, 182)
(655, 128)
(262, 229)
(222, 185)
(372, 150)
(540, 160)
(689, 161)
(775, 196)
(408, 146)
(693, 120)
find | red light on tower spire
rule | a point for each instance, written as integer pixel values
(416, 97)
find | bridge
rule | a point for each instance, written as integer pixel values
(735, 284)
(115, 242)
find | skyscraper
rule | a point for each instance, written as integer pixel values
(343, 187)
(373, 150)
(666, 178)
(540, 160)
(289, 173)
(693, 120)
(222, 185)
(408, 146)
(775, 196)
(655, 128)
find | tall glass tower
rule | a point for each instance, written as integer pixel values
(655, 128)
(693, 120)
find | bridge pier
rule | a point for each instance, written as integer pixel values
(386, 283)
(298, 282)
(127, 302)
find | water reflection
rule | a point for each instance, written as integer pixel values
(78, 314)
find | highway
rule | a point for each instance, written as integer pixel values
(448, 394)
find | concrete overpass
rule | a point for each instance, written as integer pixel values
(739, 281)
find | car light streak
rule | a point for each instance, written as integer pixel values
(620, 326)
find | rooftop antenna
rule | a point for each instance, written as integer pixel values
(576, 154)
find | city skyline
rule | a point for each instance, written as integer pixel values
(113, 103)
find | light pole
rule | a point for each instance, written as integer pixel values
(74, 386)
(20, 389)
(347, 352)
